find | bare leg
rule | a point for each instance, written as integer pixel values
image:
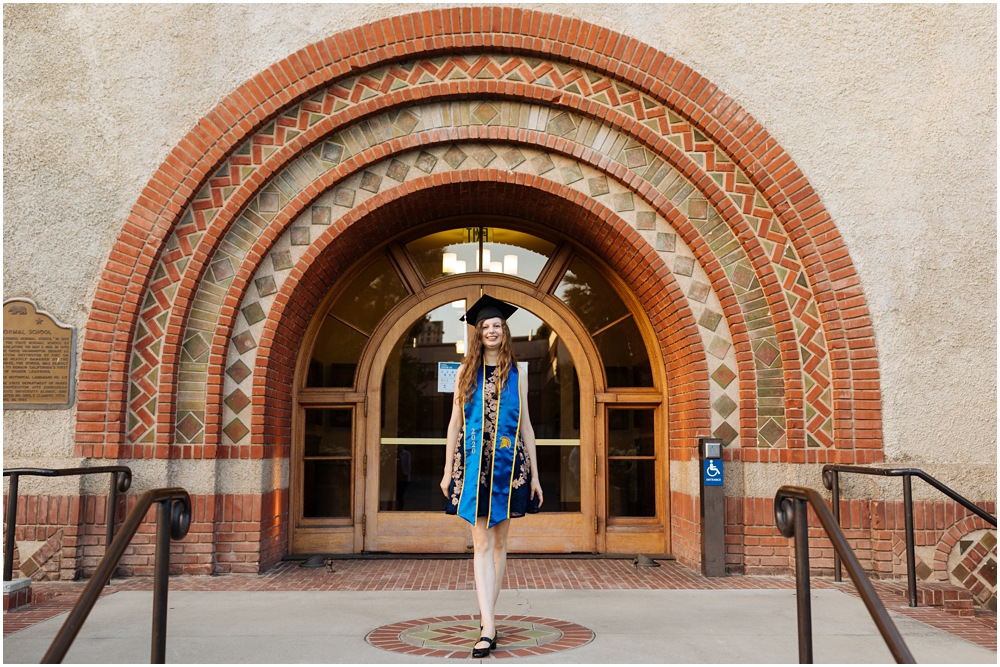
(500, 556)
(484, 566)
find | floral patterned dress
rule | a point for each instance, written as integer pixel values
(522, 463)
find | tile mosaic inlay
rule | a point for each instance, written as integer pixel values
(454, 636)
(972, 565)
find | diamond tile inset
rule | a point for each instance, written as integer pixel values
(239, 372)
(726, 433)
(454, 156)
(244, 342)
(320, 215)
(723, 376)
(235, 430)
(237, 401)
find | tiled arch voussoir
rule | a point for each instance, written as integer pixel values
(697, 290)
(622, 124)
(717, 117)
(515, 194)
(626, 171)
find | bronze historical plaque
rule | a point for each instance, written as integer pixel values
(38, 357)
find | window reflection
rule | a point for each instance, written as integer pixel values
(590, 296)
(602, 311)
(370, 296)
(623, 352)
(359, 308)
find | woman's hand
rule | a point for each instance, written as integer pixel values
(536, 490)
(445, 482)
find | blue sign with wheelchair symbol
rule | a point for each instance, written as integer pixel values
(711, 472)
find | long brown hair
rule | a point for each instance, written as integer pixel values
(474, 359)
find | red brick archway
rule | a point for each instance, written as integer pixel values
(128, 274)
(192, 169)
(487, 191)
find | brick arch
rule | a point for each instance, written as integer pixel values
(532, 198)
(191, 164)
(672, 155)
(312, 191)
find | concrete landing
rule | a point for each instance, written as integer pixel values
(631, 626)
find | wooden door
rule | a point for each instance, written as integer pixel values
(405, 433)
(366, 464)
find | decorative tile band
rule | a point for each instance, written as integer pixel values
(291, 246)
(245, 165)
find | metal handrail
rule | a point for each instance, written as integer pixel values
(173, 518)
(791, 514)
(831, 480)
(121, 480)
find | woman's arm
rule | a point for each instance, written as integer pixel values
(528, 435)
(454, 426)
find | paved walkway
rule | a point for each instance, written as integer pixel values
(665, 614)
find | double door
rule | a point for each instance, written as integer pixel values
(368, 477)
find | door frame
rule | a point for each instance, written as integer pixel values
(347, 534)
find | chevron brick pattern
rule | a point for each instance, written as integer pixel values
(190, 416)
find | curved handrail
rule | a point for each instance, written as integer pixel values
(173, 519)
(121, 481)
(791, 517)
(831, 480)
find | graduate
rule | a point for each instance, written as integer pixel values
(491, 471)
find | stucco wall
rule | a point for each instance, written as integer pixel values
(889, 111)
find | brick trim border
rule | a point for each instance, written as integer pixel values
(128, 273)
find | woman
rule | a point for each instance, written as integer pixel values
(487, 479)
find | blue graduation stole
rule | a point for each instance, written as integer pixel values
(504, 446)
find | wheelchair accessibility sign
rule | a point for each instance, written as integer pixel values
(711, 472)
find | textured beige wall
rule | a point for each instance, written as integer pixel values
(889, 111)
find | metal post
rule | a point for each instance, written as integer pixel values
(911, 558)
(161, 574)
(712, 508)
(8, 542)
(836, 515)
(803, 594)
(112, 501)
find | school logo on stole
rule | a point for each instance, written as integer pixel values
(504, 442)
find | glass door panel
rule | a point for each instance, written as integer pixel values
(326, 484)
(554, 408)
(631, 462)
(415, 411)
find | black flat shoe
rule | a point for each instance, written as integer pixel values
(484, 651)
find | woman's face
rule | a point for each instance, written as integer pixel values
(491, 332)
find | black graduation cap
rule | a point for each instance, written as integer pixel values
(486, 308)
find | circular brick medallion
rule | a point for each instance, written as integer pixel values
(454, 636)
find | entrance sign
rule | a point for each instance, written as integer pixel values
(712, 472)
(447, 370)
(39, 354)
